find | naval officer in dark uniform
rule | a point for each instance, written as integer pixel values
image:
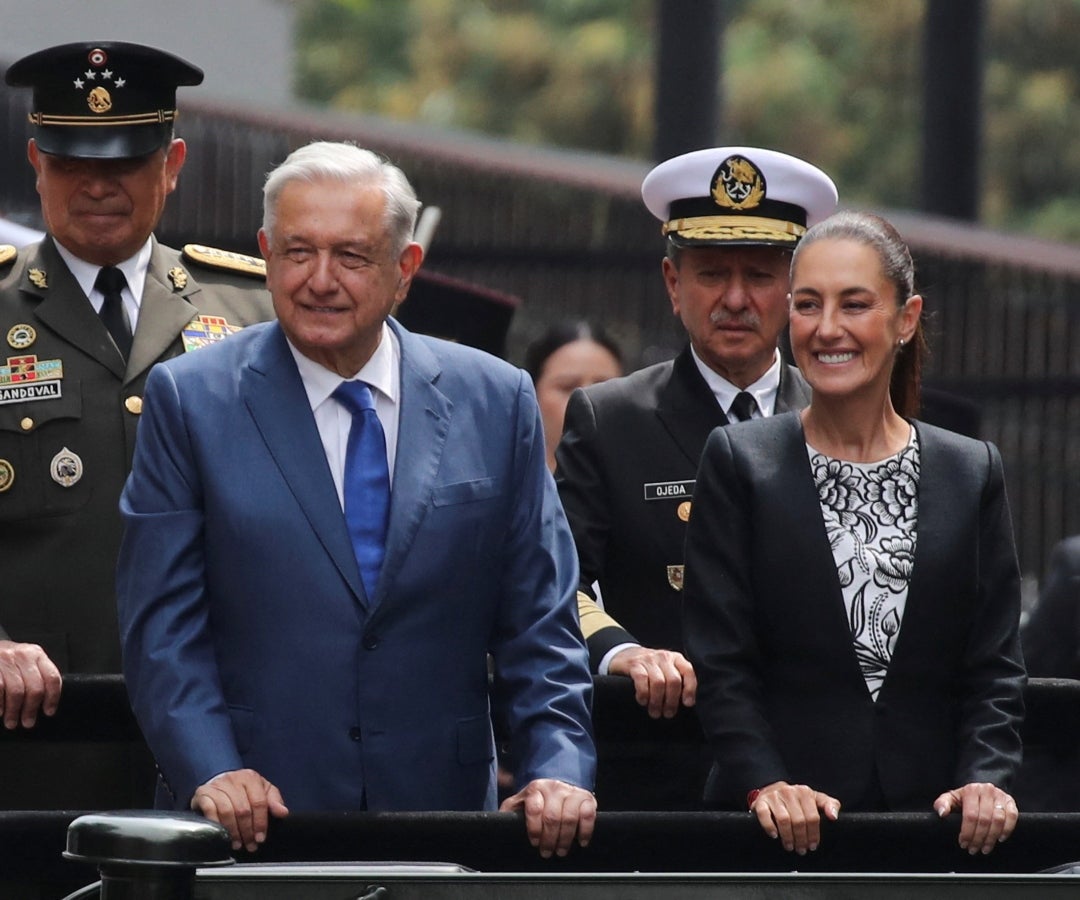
(84, 315)
(629, 454)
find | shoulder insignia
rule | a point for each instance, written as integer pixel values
(7, 254)
(226, 260)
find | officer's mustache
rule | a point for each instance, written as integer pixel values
(722, 318)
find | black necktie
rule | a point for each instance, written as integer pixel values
(742, 407)
(111, 281)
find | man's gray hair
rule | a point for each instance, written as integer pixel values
(347, 164)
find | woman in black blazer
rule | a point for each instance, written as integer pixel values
(852, 591)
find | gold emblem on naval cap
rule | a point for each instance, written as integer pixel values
(21, 336)
(738, 184)
(675, 577)
(38, 278)
(178, 277)
(66, 468)
(7, 475)
(684, 511)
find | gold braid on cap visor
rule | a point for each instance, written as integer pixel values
(151, 118)
(734, 228)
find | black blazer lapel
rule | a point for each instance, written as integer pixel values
(687, 408)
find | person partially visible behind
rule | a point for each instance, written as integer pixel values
(852, 587)
(567, 356)
(85, 313)
(1051, 636)
(331, 525)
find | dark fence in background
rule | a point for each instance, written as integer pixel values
(568, 233)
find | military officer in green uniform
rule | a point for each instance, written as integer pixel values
(84, 314)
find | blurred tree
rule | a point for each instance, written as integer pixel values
(835, 81)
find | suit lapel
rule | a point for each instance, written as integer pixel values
(793, 392)
(687, 407)
(271, 388)
(163, 313)
(423, 425)
(65, 309)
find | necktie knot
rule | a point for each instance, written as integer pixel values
(743, 406)
(110, 280)
(356, 396)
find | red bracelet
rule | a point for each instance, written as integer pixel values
(751, 796)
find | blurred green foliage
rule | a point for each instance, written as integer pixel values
(836, 81)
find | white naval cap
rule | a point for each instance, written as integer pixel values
(737, 195)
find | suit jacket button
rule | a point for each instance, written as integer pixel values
(371, 641)
(354, 732)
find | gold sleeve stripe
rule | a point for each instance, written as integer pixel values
(593, 618)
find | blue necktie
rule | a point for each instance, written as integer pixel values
(367, 482)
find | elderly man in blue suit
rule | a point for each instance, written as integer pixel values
(293, 635)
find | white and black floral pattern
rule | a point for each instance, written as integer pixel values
(870, 512)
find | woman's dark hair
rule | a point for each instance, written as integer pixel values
(878, 234)
(560, 334)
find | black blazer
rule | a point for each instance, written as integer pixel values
(647, 428)
(781, 695)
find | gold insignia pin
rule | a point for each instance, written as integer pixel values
(38, 278)
(675, 577)
(133, 405)
(66, 468)
(7, 475)
(21, 336)
(684, 511)
(26, 424)
(178, 277)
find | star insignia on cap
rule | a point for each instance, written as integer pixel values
(120, 82)
(90, 74)
(107, 74)
(79, 84)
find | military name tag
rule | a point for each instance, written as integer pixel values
(29, 378)
(669, 490)
(202, 331)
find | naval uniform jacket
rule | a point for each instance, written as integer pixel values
(780, 692)
(60, 542)
(625, 470)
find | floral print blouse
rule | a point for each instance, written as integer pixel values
(870, 512)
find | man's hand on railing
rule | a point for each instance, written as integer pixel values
(29, 683)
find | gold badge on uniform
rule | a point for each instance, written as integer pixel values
(738, 184)
(21, 336)
(683, 511)
(178, 277)
(202, 331)
(66, 468)
(675, 577)
(38, 278)
(7, 475)
(133, 405)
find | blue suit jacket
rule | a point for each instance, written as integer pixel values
(248, 640)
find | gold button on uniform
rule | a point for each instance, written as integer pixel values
(26, 424)
(684, 510)
(133, 405)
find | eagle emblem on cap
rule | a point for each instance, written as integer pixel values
(738, 184)
(99, 100)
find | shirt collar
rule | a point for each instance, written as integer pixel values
(763, 390)
(378, 371)
(134, 270)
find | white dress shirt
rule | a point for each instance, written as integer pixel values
(134, 270)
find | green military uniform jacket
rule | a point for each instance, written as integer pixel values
(69, 408)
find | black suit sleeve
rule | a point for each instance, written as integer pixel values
(584, 494)
(988, 738)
